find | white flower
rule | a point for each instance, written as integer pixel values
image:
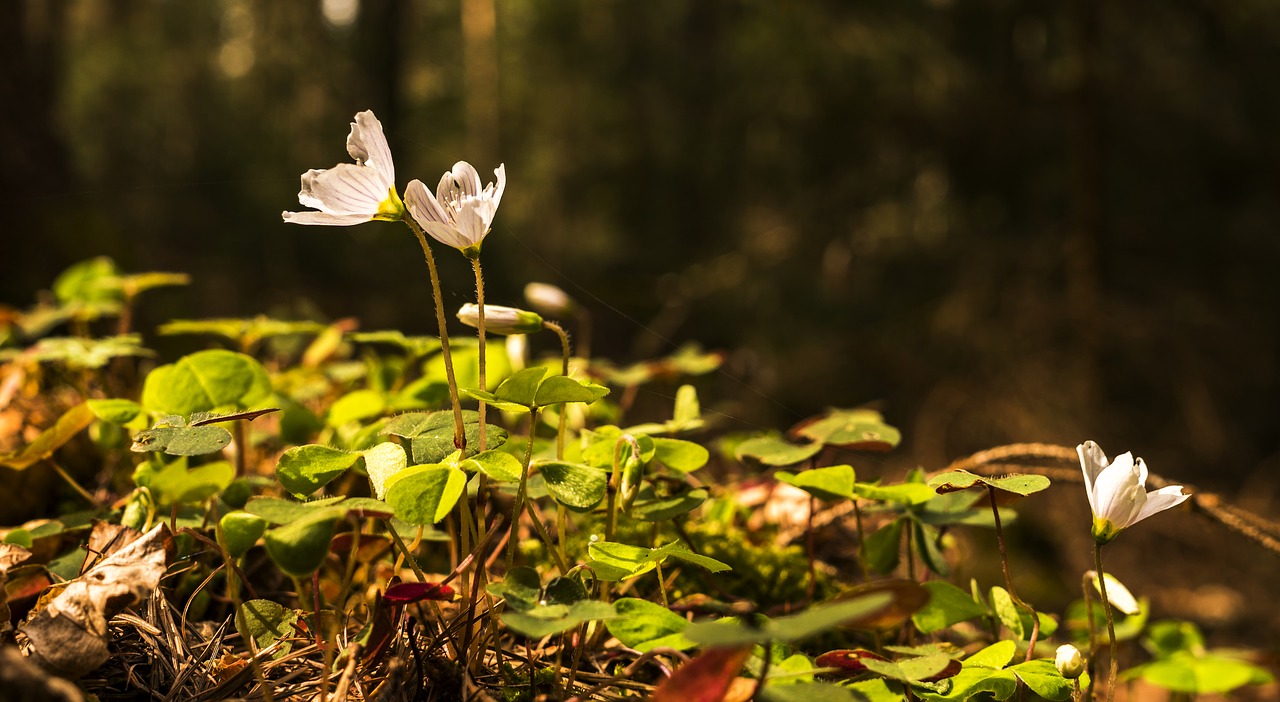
(548, 299)
(1069, 661)
(1117, 594)
(501, 320)
(1117, 491)
(351, 194)
(461, 212)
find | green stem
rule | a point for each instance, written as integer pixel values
(662, 583)
(1111, 625)
(1087, 587)
(520, 494)
(459, 435)
(615, 482)
(408, 556)
(72, 482)
(564, 354)
(483, 350)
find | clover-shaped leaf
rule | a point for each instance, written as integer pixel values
(955, 480)
(830, 483)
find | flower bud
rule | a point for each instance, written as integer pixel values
(501, 320)
(548, 299)
(1069, 661)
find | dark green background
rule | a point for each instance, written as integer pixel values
(999, 221)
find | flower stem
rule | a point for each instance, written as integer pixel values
(521, 493)
(480, 367)
(459, 435)
(564, 353)
(1111, 625)
(1008, 577)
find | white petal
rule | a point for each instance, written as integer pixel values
(467, 178)
(1160, 500)
(1114, 487)
(1092, 462)
(368, 146)
(1141, 467)
(501, 172)
(423, 205)
(324, 218)
(343, 189)
(445, 234)
(471, 225)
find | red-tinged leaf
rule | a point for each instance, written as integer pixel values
(908, 597)
(406, 593)
(847, 660)
(380, 630)
(953, 669)
(706, 678)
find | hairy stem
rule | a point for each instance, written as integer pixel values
(1111, 625)
(459, 435)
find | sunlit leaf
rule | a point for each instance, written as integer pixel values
(304, 469)
(774, 451)
(574, 485)
(425, 494)
(205, 381)
(830, 483)
(266, 622)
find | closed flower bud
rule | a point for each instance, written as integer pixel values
(1069, 661)
(501, 320)
(548, 299)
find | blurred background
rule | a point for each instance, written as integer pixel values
(995, 221)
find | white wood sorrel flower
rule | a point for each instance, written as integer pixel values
(1117, 491)
(353, 193)
(501, 320)
(461, 211)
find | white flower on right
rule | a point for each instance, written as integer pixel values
(1117, 491)
(353, 193)
(460, 212)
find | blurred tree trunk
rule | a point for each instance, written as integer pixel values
(31, 37)
(480, 93)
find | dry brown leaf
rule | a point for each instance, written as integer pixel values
(20, 680)
(69, 637)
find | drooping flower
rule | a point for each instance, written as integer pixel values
(460, 213)
(501, 320)
(549, 299)
(353, 193)
(1117, 491)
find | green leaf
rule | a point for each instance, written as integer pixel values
(432, 434)
(521, 388)
(884, 547)
(356, 406)
(425, 494)
(300, 547)
(174, 484)
(859, 429)
(910, 670)
(278, 511)
(905, 493)
(521, 588)
(1008, 612)
(774, 451)
(266, 622)
(240, 531)
(553, 619)
(655, 509)
(682, 456)
(246, 331)
(926, 544)
(1043, 678)
(1208, 674)
(813, 621)
(558, 390)
(830, 483)
(172, 436)
(383, 461)
(622, 561)
(91, 280)
(563, 590)
(204, 381)
(962, 479)
(641, 623)
(947, 605)
(304, 469)
(995, 656)
(500, 466)
(574, 485)
(604, 441)
(115, 411)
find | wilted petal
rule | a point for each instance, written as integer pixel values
(353, 193)
(368, 146)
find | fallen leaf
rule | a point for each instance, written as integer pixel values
(69, 636)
